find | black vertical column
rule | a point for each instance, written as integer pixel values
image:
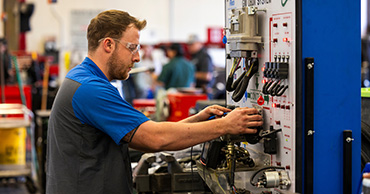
(309, 125)
(299, 100)
(347, 161)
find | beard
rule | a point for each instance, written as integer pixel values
(117, 70)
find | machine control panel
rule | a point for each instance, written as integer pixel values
(261, 73)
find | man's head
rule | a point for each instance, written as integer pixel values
(113, 42)
(194, 44)
(175, 50)
(111, 23)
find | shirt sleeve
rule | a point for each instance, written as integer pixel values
(99, 104)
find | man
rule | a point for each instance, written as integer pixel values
(203, 64)
(91, 126)
(179, 72)
(5, 62)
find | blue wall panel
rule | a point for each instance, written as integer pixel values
(331, 34)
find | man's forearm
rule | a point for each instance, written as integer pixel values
(157, 136)
(172, 136)
(204, 76)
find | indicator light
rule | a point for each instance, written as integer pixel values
(285, 24)
(273, 105)
(275, 25)
(264, 81)
(285, 40)
(224, 39)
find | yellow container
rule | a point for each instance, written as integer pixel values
(13, 146)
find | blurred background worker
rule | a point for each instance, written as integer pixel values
(203, 65)
(179, 72)
(5, 61)
(143, 81)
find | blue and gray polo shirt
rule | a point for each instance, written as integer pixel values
(88, 120)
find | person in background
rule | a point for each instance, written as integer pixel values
(366, 175)
(203, 65)
(91, 126)
(179, 72)
(5, 62)
(143, 80)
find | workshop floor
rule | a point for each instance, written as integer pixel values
(14, 189)
(16, 186)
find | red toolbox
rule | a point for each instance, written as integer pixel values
(180, 103)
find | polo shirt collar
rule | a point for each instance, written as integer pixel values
(88, 63)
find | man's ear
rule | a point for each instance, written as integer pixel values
(108, 45)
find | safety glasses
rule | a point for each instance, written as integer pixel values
(133, 48)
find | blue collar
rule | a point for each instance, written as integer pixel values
(89, 64)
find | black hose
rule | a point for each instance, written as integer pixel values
(281, 90)
(243, 85)
(240, 89)
(266, 86)
(230, 86)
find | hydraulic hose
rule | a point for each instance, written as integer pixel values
(243, 85)
(230, 84)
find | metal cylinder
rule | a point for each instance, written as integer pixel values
(272, 179)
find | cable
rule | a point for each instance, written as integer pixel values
(234, 189)
(232, 172)
(230, 85)
(242, 86)
(19, 80)
(218, 183)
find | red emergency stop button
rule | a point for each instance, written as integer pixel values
(260, 100)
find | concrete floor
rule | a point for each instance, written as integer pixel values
(13, 189)
(15, 186)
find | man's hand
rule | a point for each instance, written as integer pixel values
(242, 120)
(203, 115)
(214, 110)
(366, 175)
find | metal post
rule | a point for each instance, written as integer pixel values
(309, 126)
(347, 161)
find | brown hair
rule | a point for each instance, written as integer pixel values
(111, 23)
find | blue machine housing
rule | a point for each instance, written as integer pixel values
(330, 33)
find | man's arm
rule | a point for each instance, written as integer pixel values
(155, 80)
(157, 136)
(203, 115)
(204, 76)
